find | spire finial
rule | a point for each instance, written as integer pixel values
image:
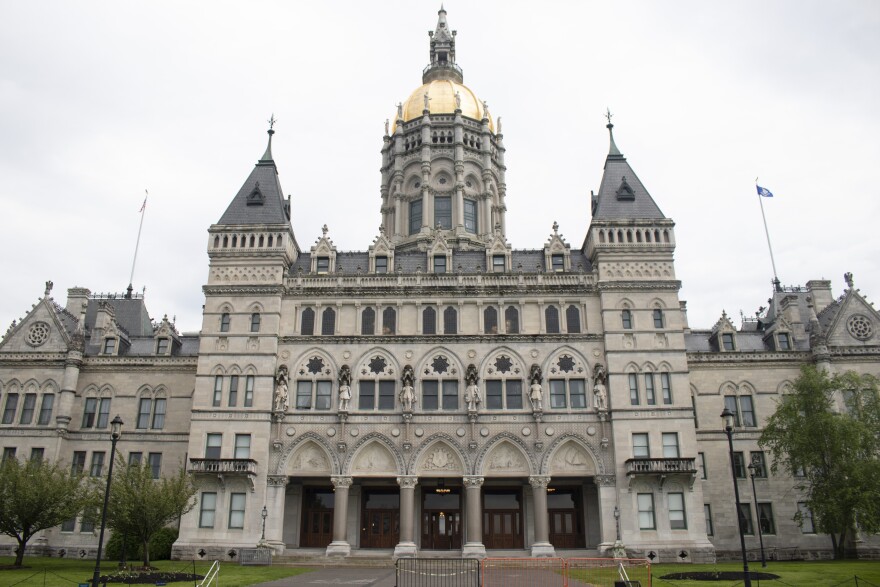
(612, 150)
(267, 156)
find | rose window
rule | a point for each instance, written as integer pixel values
(37, 334)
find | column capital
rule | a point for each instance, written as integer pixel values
(408, 481)
(471, 481)
(277, 480)
(538, 481)
(341, 482)
(605, 480)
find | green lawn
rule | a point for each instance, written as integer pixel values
(57, 572)
(813, 574)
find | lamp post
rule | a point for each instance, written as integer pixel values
(617, 521)
(728, 419)
(115, 433)
(752, 470)
(264, 514)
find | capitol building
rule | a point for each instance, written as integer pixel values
(438, 390)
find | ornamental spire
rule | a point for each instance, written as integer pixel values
(612, 150)
(442, 52)
(267, 156)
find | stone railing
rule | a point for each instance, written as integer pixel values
(223, 466)
(660, 466)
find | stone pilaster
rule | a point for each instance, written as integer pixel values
(473, 546)
(340, 545)
(276, 486)
(541, 547)
(407, 546)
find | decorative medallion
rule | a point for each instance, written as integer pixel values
(37, 334)
(346, 355)
(285, 354)
(858, 325)
(549, 431)
(354, 431)
(331, 432)
(472, 353)
(534, 353)
(526, 431)
(420, 432)
(408, 354)
(591, 430)
(566, 364)
(377, 365)
(315, 365)
(503, 364)
(484, 432)
(596, 353)
(395, 432)
(290, 431)
(460, 432)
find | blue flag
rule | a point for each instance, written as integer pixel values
(764, 192)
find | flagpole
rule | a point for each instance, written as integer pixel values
(767, 232)
(137, 243)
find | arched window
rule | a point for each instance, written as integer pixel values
(224, 322)
(314, 384)
(46, 409)
(415, 216)
(216, 241)
(626, 320)
(490, 320)
(658, 318)
(377, 384)
(504, 385)
(307, 324)
(568, 387)
(573, 319)
(255, 322)
(328, 322)
(551, 317)
(439, 385)
(511, 320)
(389, 321)
(368, 321)
(429, 321)
(450, 321)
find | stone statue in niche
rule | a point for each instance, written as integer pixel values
(282, 393)
(472, 392)
(536, 392)
(600, 392)
(344, 388)
(408, 393)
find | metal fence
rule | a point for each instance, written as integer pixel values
(438, 572)
(255, 556)
(601, 572)
(524, 572)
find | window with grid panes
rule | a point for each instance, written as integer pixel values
(670, 445)
(641, 450)
(415, 216)
(490, 320)
(511, 320)
(504, 394)
(376, 394)
(37, 454)
(368, 321)
(498, 263)
(323, 265)
(135, 457)
(666, 388)
(213, 445)
(162, 346)
(109, 346)
(760, 464)
(677, 517)
(233, 391)
(745, 518)
(701, 462)
(381, 264)
(207, 509)
(739, 465)
(218, 391)
(236, 510)
(558, 263)
(439, 264)
(626, 320)
(650, 396)
(313, 394)
(633, 389)
(389, 321)
(78, 463)
(154, 459)
(429, 320)
(646, 511)
(806, 518)
(707, 512)
(470, 216)
(249, 391)
(255, 322)
(727, 341)
(46, 409)
(657, 314)
(27, 408)
(224, 322)
(242, 446)
(97, 467)
(144, 410)
(439, 394)
(783, 341)
(10, 408)
(567, 392)
(443, 211)
(765, 519)
(328, 322)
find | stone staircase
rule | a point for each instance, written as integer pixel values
(382, 558)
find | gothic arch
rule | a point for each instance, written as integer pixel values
(502, 350)
(30, 386)
(727, 388)
(256, 307)
(218, 370)
(598, 464)
(390, 359)
(49, 386)
(12, 386)
(657, 304)
(578, 356)
(226, 308)
(281, 467)
(249, 369)
(484, 466)
(380, 440)
(446, 440)
(631, 367)
(456, 367)
(329, 363)
(785, 387)
(234, 370)
(649, 367)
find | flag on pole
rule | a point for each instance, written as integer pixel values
(764, 192)
(144, 206)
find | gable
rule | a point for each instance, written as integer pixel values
(41, 331)
(856, 323)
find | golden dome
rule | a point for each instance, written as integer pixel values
(442, 101)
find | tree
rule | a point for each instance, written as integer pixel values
(141, 505)
(36, 495)
(833, 454)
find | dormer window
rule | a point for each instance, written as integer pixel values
(323, 265)
(498, 263)
(109, 346)
(382, 264)
(255, 198)
(624, 192)
(557, 263)
(783, 341)
(162, 345)
(439, 264)
(727, 341)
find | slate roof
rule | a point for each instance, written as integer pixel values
(470, 262)
(608, 206)
(272, 210)
(131, 314)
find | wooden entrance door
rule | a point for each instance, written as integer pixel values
(565, 513)
(317, 517)
(502, 519)
(380, 519)
(441, 518)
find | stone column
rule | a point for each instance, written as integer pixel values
(340, 545)
(473, 546)
(541, 547)
(276, 488)
(407, 546)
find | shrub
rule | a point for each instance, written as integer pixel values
(161, 542)
(113, 549)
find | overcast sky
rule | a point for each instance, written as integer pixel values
(101, 100)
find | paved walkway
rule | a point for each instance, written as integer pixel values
(356, 577)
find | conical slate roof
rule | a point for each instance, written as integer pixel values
(621, 194)
(260, 199)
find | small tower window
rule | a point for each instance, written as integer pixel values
(573, 319)
(511, 320)
(784, 340)
(470, 216)
(389, 321)
(109, 346)
(415, 216)
(551, 317)
(626, 319)
(429, 321)
(255, 322)
(381, 264)
(224, 322)
(727, 341)
(450, 321)
(323, 265)
(439, 264)
(558, 262)
(658, 318)
(162, 346)
(498, 263)
(443, 211)
(328, 322)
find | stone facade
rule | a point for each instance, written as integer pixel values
(440, 391)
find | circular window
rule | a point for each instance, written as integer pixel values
(442, 180)
(860, 327)
(37, 334)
